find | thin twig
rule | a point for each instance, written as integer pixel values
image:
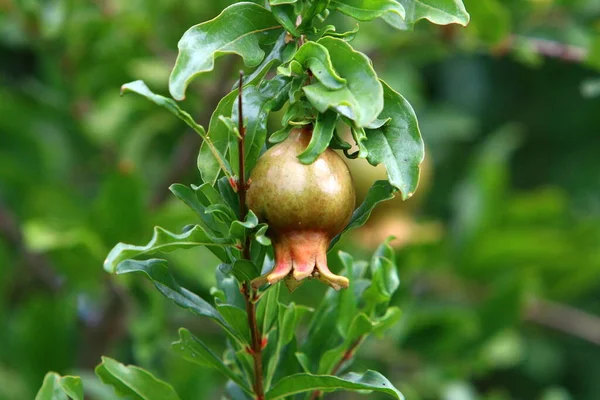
(565, 319)
(249, 292)
(348, 354)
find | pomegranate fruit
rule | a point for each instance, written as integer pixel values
(305, 206)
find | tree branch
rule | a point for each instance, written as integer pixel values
(248, 291)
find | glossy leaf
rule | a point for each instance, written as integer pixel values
(361, 100)
(267, 309)
(391, 11)
(380, 191)
(218, 161)
(321, 136)
(193, 349)
(56, 387)
(196, 199)
(316, 58)
(300, 383)
(133, 382)
(397, 144)
(440, 12)
(243, 270)
(242, 29)
(158, 272)
(163, 241)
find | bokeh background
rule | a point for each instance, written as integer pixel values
(499, 250)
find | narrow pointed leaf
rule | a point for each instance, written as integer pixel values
(380, 191)
(440, 12)
(158, 272)
(242, 29)
(321, 136)
(300, 383)
(193, 349)
(397, 144)
(133, 382)
(218, 161)
(391, 11)
(164, 241)
(361, 99)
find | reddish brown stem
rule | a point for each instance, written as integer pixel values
(249, 292)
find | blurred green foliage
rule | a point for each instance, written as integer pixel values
(501, 303)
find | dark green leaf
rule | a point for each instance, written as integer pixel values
(158, 272)
(243, 270)
(193, 349)
(299, 383)
(380, 191)
(198, 201)
(240, 29)
(164, 241)
(133, 382)
(237, 319)
(391, 11)
(361, 100)
(321, 136)
(268, 308)
(397, 144)
(441, 12)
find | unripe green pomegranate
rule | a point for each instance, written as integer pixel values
(304, 205)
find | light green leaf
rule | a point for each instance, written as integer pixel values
(237, 319)
(218, 161)
(315, 57)
(240, 29)
(56, 387)
(321, 136)
(380, 191)
(361, 100)
(397, 144)
(391, 11)
(440, 12)
(133, 382)
(165, 241)
(158, 272)
(304, 361)
(300, 383)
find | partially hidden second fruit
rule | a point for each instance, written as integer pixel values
(304, 205)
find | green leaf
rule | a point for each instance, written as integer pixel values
(440, 12)
(237, 319)
(397, 144)
(380, 191)
(193, 349)
(321, 136)
(361, 100)
(384, 282)
(217, 157)
(288, 318)
(133, 382)
(389, 319)
(348, 300)
(196, 198)
(243, 270)
(391, 11)
(304, 361)
(164, 241)
(56, 387)
(240, 29)
(218, 134)
(300, 383)
(258, 102)
(158, 272)
(267, 309)
(315, 57)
